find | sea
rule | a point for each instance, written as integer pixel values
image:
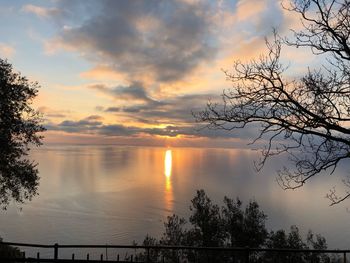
(110, 194)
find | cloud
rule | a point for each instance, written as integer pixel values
(256, 19)
(176, 109)
(249, 9)
(41, 12)
(7, 51)
(51, 113)
(165, 39)
(94, 118)
(155, 60)
(103, 72)
(134, 103)
(112, 109)
(134, 91)
(144, 109)
(86, 125)
(89, 126)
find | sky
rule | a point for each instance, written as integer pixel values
(132, 72)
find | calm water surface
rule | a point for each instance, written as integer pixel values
(117, 194)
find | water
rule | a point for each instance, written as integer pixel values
(118, 194)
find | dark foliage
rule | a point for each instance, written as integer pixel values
(7, 251)
(19, 125)
(207, 223)
(307, 118)
(231, 225)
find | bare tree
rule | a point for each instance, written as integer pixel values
(309, 117)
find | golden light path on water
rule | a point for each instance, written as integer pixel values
(168, 162)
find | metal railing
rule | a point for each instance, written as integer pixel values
(181, 254)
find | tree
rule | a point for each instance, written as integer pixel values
(230, 225)
(307, 118)
(233, 217)
(174, 235)
(245, 228)
(254, 226)
(19, 125)
(206, 221)
(293, 240)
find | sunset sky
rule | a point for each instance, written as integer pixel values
(131, 72)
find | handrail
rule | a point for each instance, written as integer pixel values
(26, 245)
(181, 248)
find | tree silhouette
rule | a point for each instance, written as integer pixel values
(231, 225)
(19, 125)
(307, 118)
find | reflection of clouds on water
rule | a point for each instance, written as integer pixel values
(115, 158)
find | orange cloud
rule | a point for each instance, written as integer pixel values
(249, 9)
(103, 72)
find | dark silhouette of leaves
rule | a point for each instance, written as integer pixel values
(19, 128)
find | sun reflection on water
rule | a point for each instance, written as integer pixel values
(167, 163)
(168, 187)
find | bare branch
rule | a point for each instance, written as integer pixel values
(306, 118)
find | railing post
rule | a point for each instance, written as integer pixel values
(344, 257)
(56, 251)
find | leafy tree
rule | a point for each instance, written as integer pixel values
(231, 225)
(175, 234)
(153, 254)
(254, 226)
(233, 217)
(207, 228)
(245, 228)
(293, 240)
(277, 239)
(307, 117)
(317, 242)
(19, 125)
(206, 220)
